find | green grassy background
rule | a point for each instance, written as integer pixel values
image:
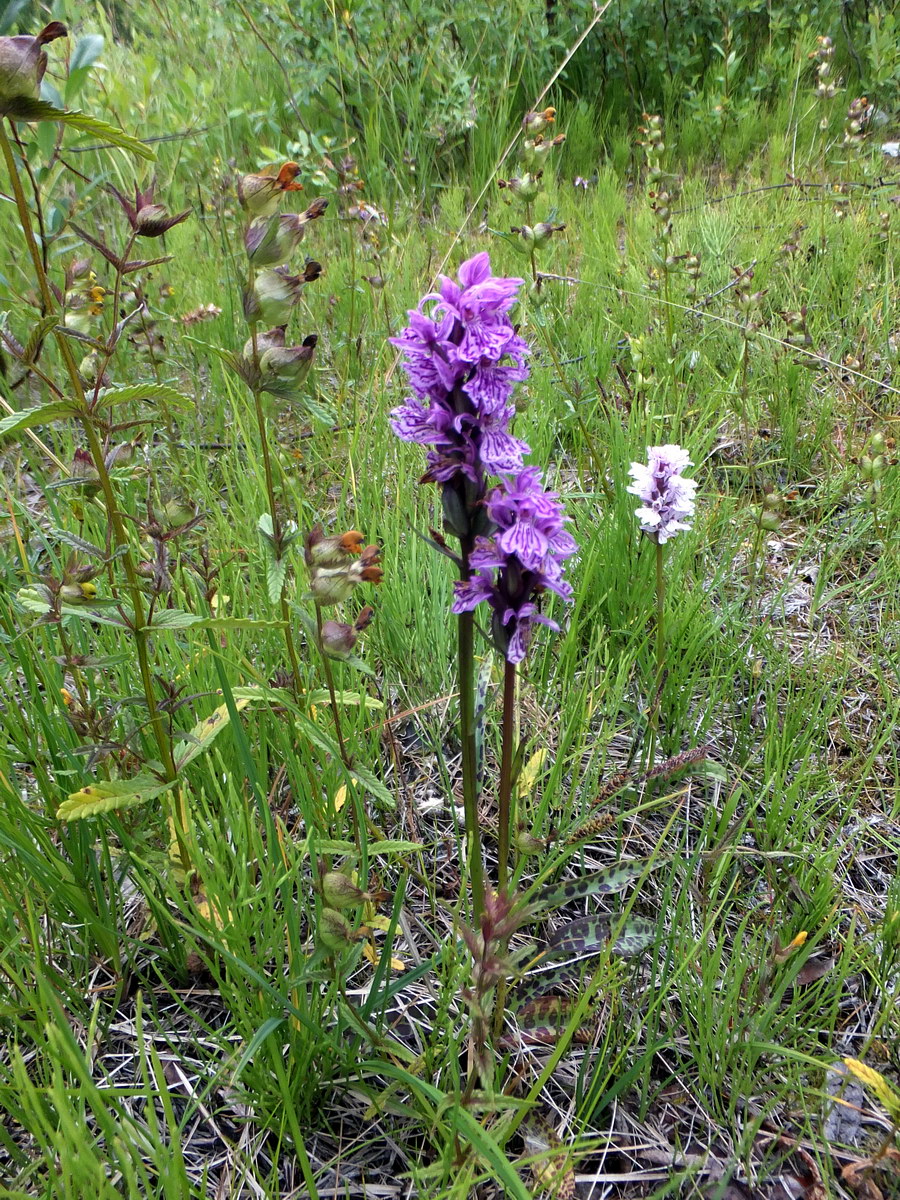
(155, 1045)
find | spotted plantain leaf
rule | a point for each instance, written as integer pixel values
(551, 1165)
(589, 935)
(544, 1018)
(600, 883)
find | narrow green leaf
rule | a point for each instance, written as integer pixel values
(77, 543)
(92, 612)
(353, 699)
(146, 391)
(226, 356)
(175, 618)
(394, 846)
(23, 109)
(87, 50)
(37, 337)
(42, 415)
(105, 795)
(9, 13)
(499, 1166)
(203, 734)
(268, 1027)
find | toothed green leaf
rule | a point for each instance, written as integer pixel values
(146, 391)
(25, 109)
(43, 415)
(105, 795)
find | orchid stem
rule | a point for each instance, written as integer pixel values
(660, 653)
(466, 624)
(504, 802)
(505, 814)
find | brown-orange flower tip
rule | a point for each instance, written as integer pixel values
(338, 564)
(332, 551)
(534, 122)
(259, 194)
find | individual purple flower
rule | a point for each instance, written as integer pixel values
(523, 559)
(463, 358)
(668, 498)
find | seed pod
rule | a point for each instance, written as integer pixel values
(335, 931)
(339, 639)
(322, 551)
(23, 63)
(527, 843)
(339, 891)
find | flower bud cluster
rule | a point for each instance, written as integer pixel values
(147, 338)
(338, 564)
(270, 239)
(642, 369)
(856, 122)
(654, 146)
(525, 187)
(823, 55)
(874, 464)
(747, 303)
(83, 297)
(798, 333)
(660, 193)
(840, 193)
(694, 270)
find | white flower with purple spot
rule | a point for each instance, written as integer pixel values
(668, 498)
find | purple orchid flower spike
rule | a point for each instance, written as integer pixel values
(463, 358)
(522, 560)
